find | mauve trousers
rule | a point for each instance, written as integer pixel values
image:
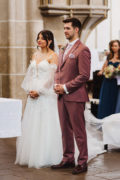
(72, 123)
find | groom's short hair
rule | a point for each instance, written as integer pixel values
(75, 22)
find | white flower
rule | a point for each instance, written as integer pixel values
(109, 71)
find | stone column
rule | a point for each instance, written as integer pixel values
(19, 27)
(4, 89)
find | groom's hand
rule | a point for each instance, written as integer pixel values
(59, 89)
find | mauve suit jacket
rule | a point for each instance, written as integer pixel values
(74, 72)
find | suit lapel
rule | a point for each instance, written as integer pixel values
(61, 54)
(69, 52)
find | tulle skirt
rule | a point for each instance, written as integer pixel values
(41, 142)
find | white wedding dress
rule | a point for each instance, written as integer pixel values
(41, 143)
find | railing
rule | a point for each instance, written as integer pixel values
(69, 2)
(49, 8)
(106, 2)
(45, 2)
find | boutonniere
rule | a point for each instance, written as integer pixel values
(71, 56)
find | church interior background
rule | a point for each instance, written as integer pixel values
(21, 20)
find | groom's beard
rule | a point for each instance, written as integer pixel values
(70, 37)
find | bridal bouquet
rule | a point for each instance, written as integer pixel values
(109, 71)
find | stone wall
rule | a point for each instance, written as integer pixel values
(20, 21)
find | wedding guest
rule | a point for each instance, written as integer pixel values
(109, 88)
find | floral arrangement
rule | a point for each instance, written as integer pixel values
(110, 71)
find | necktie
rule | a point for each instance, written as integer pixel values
(66, 51)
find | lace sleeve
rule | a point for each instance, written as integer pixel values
(26, 84)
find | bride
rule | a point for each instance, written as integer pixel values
(41, 144)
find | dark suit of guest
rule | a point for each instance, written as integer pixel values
(74, 72)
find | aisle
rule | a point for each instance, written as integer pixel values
(104, 167)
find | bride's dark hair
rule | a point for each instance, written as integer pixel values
(47, 35)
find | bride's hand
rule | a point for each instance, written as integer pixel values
(33, 94)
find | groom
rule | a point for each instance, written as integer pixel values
(71, 76)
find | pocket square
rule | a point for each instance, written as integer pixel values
(71, 56)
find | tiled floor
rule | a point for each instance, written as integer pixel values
(104, 167)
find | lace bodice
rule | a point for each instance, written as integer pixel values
(39, 77)
(41, 69)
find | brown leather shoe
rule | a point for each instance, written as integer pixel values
(80, 169)
(63, 165)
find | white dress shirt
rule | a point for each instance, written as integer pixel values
(69, 46)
